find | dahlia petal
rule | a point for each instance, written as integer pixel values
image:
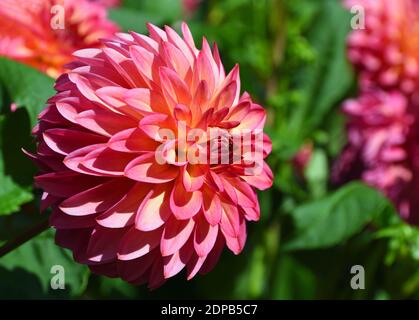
(123, 213)
(214, 67)
(175, 90)
(187, 35)
(262, 181)
(107, 162)
(176, 233)
(96, 199)
(146, 63)
(75, 240)
(216, 181)
(51, 115)
(124, 67)
(132, 140)
(239, 111)
(156, 278)
(177, 60)
(67, 110)
(214, 255)
(184, 204)
(140, 100)
(203, 72)
(267, 145)
(251, 214)
(65, 183)
(194, 265)
(104, 122)
(89, 56)
(183, 47)
(230, 191)
(211, 206)
(113, 96)
(60, 220)
(182, 113)
(64, 141)
(255, 119)
(131, 270)
(245, 195)
(106, 269)
(193, 177)
(84, 86)
(156, 33)
(204, 237)
(146, 42)
(135, 243)
(103, 244)
(154, 210)
(217, 58)
(47, 200)
(233, 76)
(73, 160)
(230, 219)
(173, 264)
(144, 169)
(200, 99)
(236, 243)
(218, 116)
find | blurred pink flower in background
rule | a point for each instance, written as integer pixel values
(386, 52)
(383, 123)
(114, 206)
(383, 148)
(27, 35)
(302, 158)
(190, 6)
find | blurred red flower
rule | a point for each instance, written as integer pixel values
(44, 33)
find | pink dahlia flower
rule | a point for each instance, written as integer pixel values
(44, 33)
(386, 52)
(127, 194)
(382, 149)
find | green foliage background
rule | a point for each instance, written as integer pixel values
(292, 60)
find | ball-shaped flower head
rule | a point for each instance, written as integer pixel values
(382, 149)
(150, 157)
(386, 49)
(45, 33)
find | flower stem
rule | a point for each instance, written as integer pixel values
(24, 237)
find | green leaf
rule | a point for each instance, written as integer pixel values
(327, 80)
(26, 271)
(25, 86)
(12, 196)
(132, 20)
(168, 10)
(334, 219)
(135, 14)
(293, 280)
(15, 170)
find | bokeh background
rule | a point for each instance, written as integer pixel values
(293, 61)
